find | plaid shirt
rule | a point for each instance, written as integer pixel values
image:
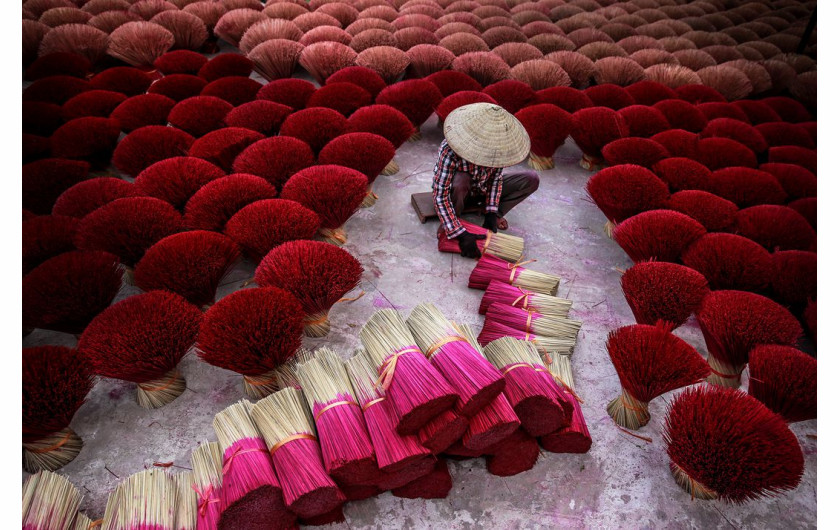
(485, 181)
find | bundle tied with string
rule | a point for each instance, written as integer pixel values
(511, 295)
(650, 361)
(531, 321)
(491, 268)
(394, 453)
(49, 501)
(533, 397)
(250, 490)
(493, 330)
(475, 380)
(185, 502)
(143, 500)
(206, 462)
(417, 392)
(575, 438)
(345, 444)
(507, 247)
(287, 427)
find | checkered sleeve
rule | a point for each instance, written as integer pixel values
(494, 191)
(442, 189)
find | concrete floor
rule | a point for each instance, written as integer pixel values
(622, 482)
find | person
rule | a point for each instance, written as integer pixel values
(479, 141)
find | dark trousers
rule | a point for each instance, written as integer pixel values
(516, 187)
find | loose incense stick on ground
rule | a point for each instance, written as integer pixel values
(49, 501)
(491, 268)
(504, 293)
(206, 461)
(417, 391)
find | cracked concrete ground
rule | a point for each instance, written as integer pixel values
(623, 482)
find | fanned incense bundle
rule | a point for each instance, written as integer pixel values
(650, 361)
(533, 397)
(491, 268)
(250, 490)
(287, 426)
(417, 392)
(345, 444)
(784, 379)
(575, 438)
(664, 291)
(493, 330)
(531, 321)
(50, 502)
(185, 502)
(507, 247)
(475, 380)
(143, 500)
(206, 461)
(506, 294)
(393, 451)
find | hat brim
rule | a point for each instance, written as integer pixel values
(486, 135)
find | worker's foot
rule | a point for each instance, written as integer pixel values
(503, 224)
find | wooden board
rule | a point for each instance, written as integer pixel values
(424, 205)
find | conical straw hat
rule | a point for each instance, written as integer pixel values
(487, 135)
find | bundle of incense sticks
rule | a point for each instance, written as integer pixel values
(143, 500)
(393, 451)
(435, 485)
(206, 461)
(511, 295)
(185, 502)
(49, 501)
(417, 392)
(250, 489)
(504, 246)
(442, 431)
(493, 330)
(345, 444)
(475, 380)
(530, 321)
(515, 454)
(532, 396)
(490, 268)
(575, 438)
(287, 426)
(83, 522)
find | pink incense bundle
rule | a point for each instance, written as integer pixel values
(435, 485)
(491, 425)
(507, 247)
(515, 454)
(417, 392)
(491, 268)
(493, 330)
(475, 380)
(345, 444)
(532, 395)
(393, 451)
(49, 501)
(533, 322)
(575, 438)
(409, 473)
(206, 462)
(442, 431)
(251, 493)
(287, 426)
(505, 294)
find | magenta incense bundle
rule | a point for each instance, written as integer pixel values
(490, 425)
(491, 268)
(143, 501)
(345, 444)
(393, 451)
(493, 330)
(49, 501)
(507, 247)
(442, 431)
(287, 427)
(533, 322)
(575, 438)
(417, 392)
(250, 489)
(506, 294)
(471, 375)
(206, 461)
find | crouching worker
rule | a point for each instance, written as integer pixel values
(480, 140)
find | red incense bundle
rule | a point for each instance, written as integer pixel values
(345, 444)
(493, 330)
(507, 247)
(409, 473)
(332, 517)
(725, 444)
(533, 322)
(56, 382)
(49, 501)
(442, 431)
(784, 379)
(252, 332)
(317, 273)
(533, 396)
(515, 454)
(435, 485)
(575, 438)
(417, 392)
(650, 361)
(733, 323)
(475, 380)
(141, 339)
(663, 291)
(206, 461)
(393, 451)
(490, 425)
(143, 501)
(251, 494)
(286, 425)
(212, 206)
(365, 152)
(491, 268)
(503, 293)
(265, 224)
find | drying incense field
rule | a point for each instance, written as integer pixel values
(698, 137)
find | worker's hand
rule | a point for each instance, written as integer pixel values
(469, 247)
(491, 222)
